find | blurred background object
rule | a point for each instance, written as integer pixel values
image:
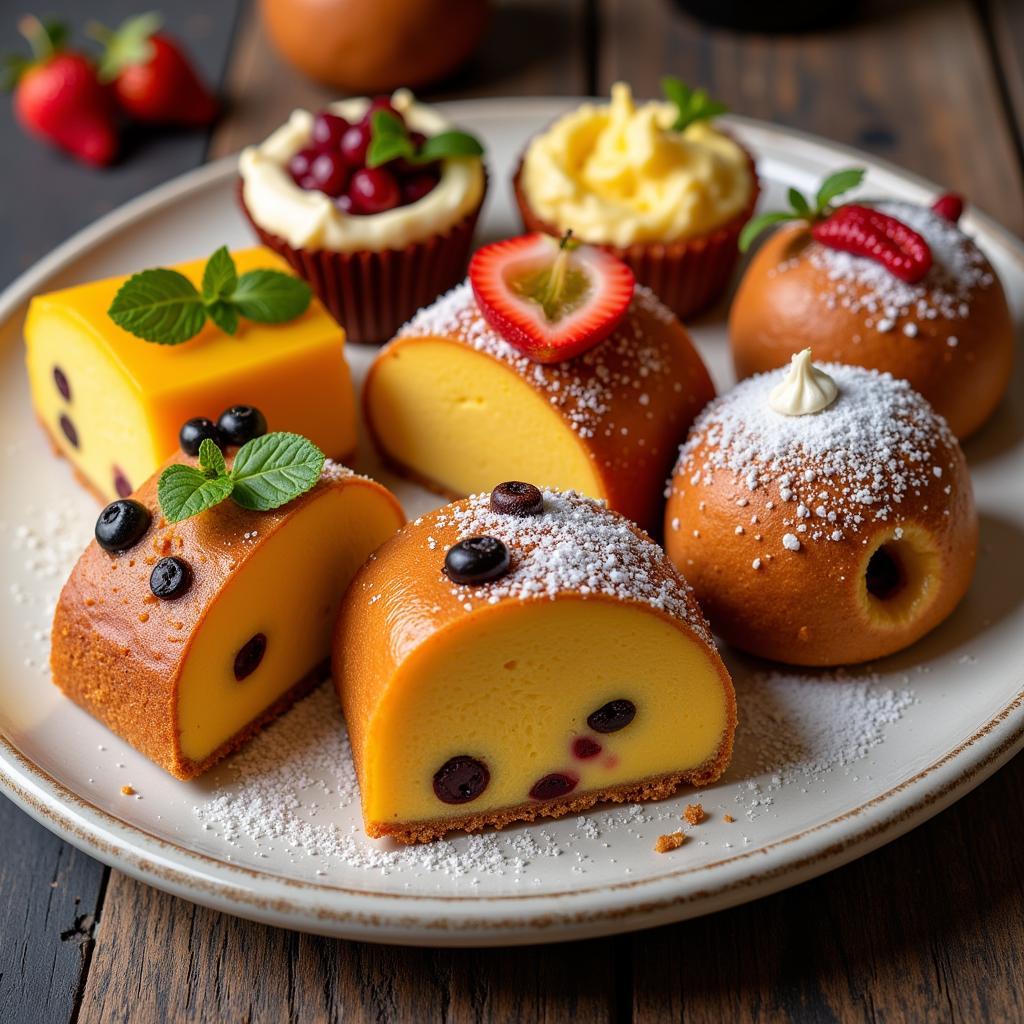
(367, 46)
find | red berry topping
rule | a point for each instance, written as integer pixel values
(416, 185)
(950, 206)
(328, 129)
(329, 173)
(550, 300)
(301, 164)
(374, 190)
(354, 143)
(877, 236)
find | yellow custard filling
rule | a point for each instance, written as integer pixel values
(618, 174)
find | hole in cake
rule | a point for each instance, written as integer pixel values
(885, 576)
(899, 575)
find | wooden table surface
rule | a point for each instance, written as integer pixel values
(931, 927)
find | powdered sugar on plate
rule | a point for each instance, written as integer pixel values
(294, 789)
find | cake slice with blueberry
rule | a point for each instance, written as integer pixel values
(521, 654)
(205, 605)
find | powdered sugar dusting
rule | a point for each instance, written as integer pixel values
(862, 285)
(832, 472)
(576, 544)
(583, 389)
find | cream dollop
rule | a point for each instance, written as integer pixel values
(311, 220)
(618, 173)
(804, 390)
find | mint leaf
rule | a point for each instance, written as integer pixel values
(691, 104)
(754, 227)
(219, 277)
(384, 148)
(184, 491)
(271, 470)
(211, 459)
(159, 305)
(224, 315)
(383, 122)
(800, 205)
(271, 296)
(836, 184)
(448, 144)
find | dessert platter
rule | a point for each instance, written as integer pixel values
(430, 527)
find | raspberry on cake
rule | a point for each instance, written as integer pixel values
(889, 285)
(459, 407)
(113, 404)
(823, 514)
(185, 638)
(522, 654)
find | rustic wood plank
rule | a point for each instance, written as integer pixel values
(929, 928)
(159, 958)
(47, 918)
(912, 83)
(1005, 19)
(530, 48)
(63, 196)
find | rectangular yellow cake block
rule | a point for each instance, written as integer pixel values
(113, 403)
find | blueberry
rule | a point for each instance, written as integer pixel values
(460, 779)
(241, 423)
(248, 659)
(61, 380)
(121, 525)
(69, 431)
(194, 431)
(171, 577)
(476, 560)
(553, 785)
(514, 498)
(611, 717)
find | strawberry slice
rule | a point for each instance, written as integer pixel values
(864, 231)
(550, 299)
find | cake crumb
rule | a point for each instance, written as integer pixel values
(694, 813)
(728, 818)
(128, 790)
(669, 842)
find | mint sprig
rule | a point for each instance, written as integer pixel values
(800, 207)
(390, 140)
(165, 307)
(268, 472)
(691, 104)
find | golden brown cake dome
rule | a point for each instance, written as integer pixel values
(950, 334)
(836, 535)
(524, 653)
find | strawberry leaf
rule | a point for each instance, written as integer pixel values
(835, 185)
(754, 227)
(129, 45)
(800, 205)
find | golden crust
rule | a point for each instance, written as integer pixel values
(776, 314)
(118, 651)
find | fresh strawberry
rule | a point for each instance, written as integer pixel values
(58, 96)
(152, 79)
(867, 232)
(550, 299)
(950, 206)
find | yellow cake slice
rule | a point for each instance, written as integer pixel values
(524, 653)
(113, 404)
(187, 678)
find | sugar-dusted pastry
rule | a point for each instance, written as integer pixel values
(522, 654)
(483, 386)
(659, 184)
(114, 403)
(892, 286)
(185, 638)
(824, 515)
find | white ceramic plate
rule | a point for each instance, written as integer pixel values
(827, 766)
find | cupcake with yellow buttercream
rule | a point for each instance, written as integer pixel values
(658, 184)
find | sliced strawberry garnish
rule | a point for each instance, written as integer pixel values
(950, 206)
(864, 231)
(552, 300)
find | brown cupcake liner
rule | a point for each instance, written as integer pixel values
(371, 294)
(688, 275)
